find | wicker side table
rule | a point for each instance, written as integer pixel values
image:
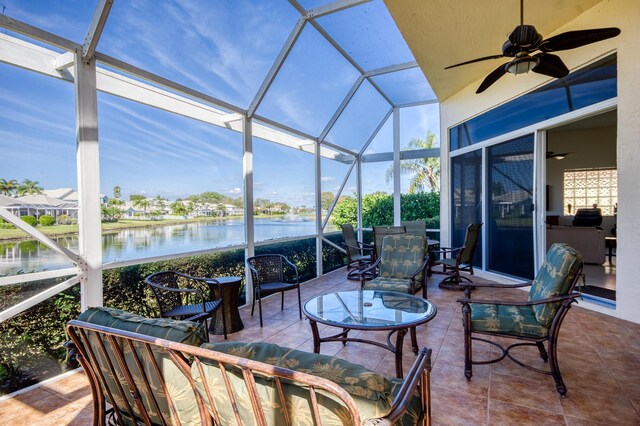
(230, 287)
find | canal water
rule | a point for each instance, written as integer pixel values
(126, 244)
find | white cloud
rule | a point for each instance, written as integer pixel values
(235, 191)
(327, 178)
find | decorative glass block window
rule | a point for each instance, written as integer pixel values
(586, 187)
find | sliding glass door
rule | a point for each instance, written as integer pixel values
(510, 248)
(466, 196)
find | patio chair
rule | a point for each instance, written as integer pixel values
(455, 260)
(533, 322)
(272, 273)
(379, 232)
(416, 227)
(181, 296)
(358, 253)
(401, 266)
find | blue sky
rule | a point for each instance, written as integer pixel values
(226, 52)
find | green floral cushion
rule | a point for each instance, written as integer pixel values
(402, 255)
(554, 278)
(391, 284)
(178, 387)
(505, 319)
(371, 392)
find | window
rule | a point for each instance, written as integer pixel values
(592, 84)
(586, 187)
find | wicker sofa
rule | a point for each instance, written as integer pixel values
(161, 371)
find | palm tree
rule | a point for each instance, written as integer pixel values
(425, 171)
(159, 202)
(143, 204)
(29, 187)
(8, 187)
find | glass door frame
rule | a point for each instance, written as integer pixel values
(539, 169)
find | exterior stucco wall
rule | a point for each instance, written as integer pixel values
(465, 104)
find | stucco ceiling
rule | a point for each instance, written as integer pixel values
(445, 32)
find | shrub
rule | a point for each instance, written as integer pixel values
(64, 219)
(377, 209)
(31, 220)
(46, 220)
(5, 225)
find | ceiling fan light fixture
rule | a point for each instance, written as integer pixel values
(522, 65)
(558, 157)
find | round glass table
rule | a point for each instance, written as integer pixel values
(369, 310)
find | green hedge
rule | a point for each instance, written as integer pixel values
(377, 209)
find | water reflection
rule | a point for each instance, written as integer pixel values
(31, 256)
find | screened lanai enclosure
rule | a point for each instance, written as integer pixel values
(227, 128)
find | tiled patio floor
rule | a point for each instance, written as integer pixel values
(599, 359)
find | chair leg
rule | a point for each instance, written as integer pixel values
(282, 300)
(555, 370)
(205, 323)
(253, 304)
(468, 361)
(260, 308)
(543, 351)
(299, 303)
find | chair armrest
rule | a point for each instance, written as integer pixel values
(420, 370)
(196, 291)
(295, 268)
(371, 267)
(360, 247)
(496, 285)
(421, 269)
(446, 249)
(366, 247)
(527, 303)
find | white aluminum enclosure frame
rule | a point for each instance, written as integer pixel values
(80, 64)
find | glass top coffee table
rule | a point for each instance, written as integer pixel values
(369, 310)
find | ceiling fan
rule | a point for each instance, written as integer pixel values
(559, 155)
(524, 40)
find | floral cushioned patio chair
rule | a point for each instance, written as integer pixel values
(160, 372)
(401, 266)
(533, 322)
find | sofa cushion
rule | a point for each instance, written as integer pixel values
(554, 278)
(187, 332)
(371, 392)
(179, 388)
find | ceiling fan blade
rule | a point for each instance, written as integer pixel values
(486, 58)
(559, 155)
(550, 65)
(492, 78)
(573, 39)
